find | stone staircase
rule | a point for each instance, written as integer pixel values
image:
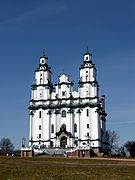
(49, 152)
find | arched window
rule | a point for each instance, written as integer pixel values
(39, 114)
(63, 113)
(52, 128)
(87, 112)
(86, 77)
(51, 144)
(63, 93)
(76, 142)
(43, 146)
(75, 128)
(39, 127)
(39, 136)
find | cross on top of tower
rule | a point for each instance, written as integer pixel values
(43, 52)
(87, 52)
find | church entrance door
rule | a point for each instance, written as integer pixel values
(63, 142)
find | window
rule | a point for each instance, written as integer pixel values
(39, 114)
(87, 58)
(87, 112)
(52, 128)
(63, 93)
(40, 93)
(43, 146)
(39, 135)
(76, 142)
(87, 134)
(39, 127)
(63, 113)
(75, 128)
(88, 126)
(51, 144)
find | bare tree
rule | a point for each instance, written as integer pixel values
(130, 147)
(112, 138)
(6, 145)
(121, 151)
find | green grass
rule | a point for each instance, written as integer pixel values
(12, 168)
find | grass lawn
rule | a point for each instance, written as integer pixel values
(12, 168)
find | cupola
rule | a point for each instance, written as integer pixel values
(87, 56)
(43, 60)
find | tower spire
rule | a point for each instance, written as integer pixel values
(87, 50)
(43, 58)
(43, 52)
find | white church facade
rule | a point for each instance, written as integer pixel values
(61, 117)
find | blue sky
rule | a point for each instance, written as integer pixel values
(65, 29)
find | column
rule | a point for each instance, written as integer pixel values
(56, 127)
(30, 133)
(79, 133)
(31, 128)
(47, 127)
(72, 126)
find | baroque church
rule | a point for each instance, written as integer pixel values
(64, 118)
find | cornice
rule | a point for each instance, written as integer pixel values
(90, 82)
(87, 62)
(63, 105)
(60, 99)
(34, 86)
(46, 68)
(66, 83)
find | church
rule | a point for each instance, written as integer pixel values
(64, 118)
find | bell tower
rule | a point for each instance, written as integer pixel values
(42, 87)
(41, 93)
(87, 83)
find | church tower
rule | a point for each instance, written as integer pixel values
(88, 83)
(41, 92)
(88, 93)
